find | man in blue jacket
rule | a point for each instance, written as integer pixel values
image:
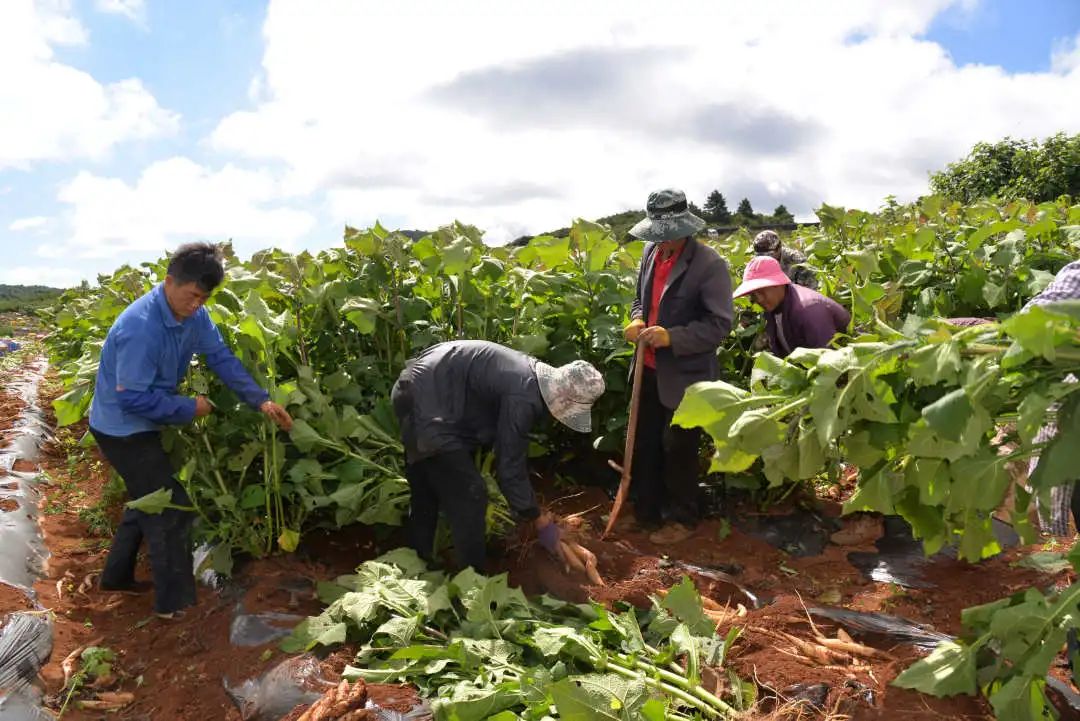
(145, 357)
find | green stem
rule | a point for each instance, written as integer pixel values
(368, 461)
(671, 690)
(217, 473)
(787, 408)
(76, 684)
(682, 682)
(268, 493)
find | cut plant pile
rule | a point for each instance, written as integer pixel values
(470, 641)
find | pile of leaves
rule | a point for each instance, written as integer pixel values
(479, 649)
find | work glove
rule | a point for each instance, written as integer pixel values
(630, 332)
(655, 336)
(549, 538)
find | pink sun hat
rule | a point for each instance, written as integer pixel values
(762, 272)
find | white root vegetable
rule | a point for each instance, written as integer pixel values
(68, 665)
(851, 647)
(108, 701)
(571, 557)
(589, 559)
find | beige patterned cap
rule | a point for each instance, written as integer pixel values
(570, 391)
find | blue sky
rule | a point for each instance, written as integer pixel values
(1018, 35)
(134, 125)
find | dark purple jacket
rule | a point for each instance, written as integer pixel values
(810, 320)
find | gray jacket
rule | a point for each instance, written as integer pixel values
(697, 311)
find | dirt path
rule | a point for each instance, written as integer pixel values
(178, 670)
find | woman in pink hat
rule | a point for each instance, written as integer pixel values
(795, 316)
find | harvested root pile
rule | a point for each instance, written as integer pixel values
(344, 702)
(573, 554)
(822, 650)
(720, 615)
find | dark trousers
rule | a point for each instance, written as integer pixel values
(143, 465)
(665, 471)
(451, 484)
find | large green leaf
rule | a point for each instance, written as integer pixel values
(947, 671)
(1059, 461)
(1032, 416)
(948, 416)
(73, 405)
(875, 493)
(597, 697)
(979, 482)
(1022, 698)
(935, 363)
(684, 602)
(362, 313)
(690, 646)
(1038, 331)
(469, 702)
(305, 437)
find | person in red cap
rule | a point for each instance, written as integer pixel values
(795, 316)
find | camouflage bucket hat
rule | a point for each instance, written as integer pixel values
(570, 391)
(668, 218)
(767, 241)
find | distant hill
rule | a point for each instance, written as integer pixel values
(621, 223)
(26, 297)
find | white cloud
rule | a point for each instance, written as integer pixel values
(173, 201)
(131, 9)
(36, 222)
(50, 275)
(1065, 58)
(53, 111)
(517, 116)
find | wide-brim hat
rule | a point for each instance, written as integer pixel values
(569, 392)
(668, 217)
(763, 271)
(767, 241)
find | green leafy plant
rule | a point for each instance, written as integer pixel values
(478, 648)
(917, 413)
(328, 333)
(95, 662)
(1005, 653)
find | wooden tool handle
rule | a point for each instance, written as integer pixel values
(631, 433)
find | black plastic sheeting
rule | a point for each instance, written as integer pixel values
(294, 682)
(25, 637)
(24, 557)
(23, 708)
(900, 630)
(900, 558)
(897, 629)
(801, 533)
(255, 629)
(25, 645)
(722, 576)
